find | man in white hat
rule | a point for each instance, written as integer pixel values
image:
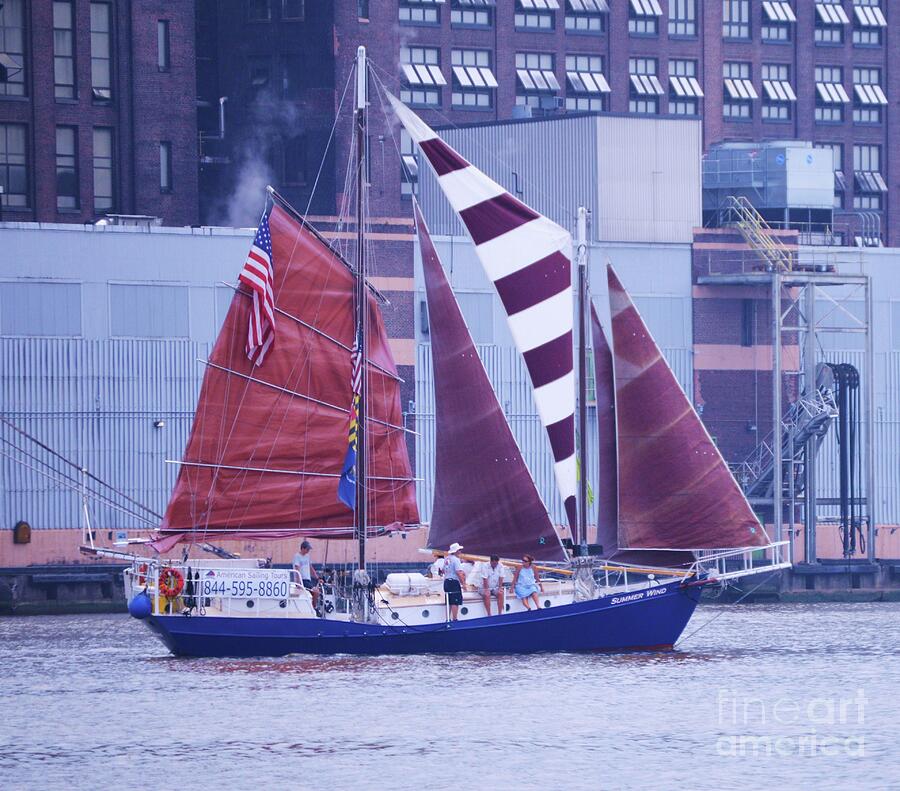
(454, 579)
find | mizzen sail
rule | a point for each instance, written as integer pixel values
(528, 259)
(675, 491)
(268, 441)
(484, 496)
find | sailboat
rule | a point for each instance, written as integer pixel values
(268, 454)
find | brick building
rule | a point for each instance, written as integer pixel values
(97, 110)
(816, 70)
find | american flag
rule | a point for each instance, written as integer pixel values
(258, 275)
(347, 483)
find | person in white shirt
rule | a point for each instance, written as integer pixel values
(304, 567)
(492, 585)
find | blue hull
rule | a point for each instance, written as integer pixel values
(643, 620)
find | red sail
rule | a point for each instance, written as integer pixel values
(484, 496)
(675, 491)
(268, 442)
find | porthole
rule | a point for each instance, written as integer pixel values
(282, 604)
(395, 615)
(464, 610)
(546, 602)
(250, 603)
(424, 613)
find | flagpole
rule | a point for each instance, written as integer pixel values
(361, 498)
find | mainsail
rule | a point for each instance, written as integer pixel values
(484, 496)
(268, 442)
(675, 491)
(528, 259)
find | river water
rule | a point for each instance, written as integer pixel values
(787, 696)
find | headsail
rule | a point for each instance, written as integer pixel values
(484, 495)
(675, 491)
(528, 259)
(268, 442)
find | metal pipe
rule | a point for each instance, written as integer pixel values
(222, 100)
(778, 461)
(870, 424)
(581, 538)
(810, 509)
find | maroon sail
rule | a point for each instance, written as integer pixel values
(484, 496)
(675, 491)
(268, 442)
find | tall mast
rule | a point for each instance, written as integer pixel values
(360, 131)
(582, 258)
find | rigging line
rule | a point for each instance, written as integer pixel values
(725, 609)
(74, 488)
(280, 472)
(90, 475)
(77, 483)
(315, 330)
(491, 154)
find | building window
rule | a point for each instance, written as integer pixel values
(473, 80)
(643, 17)
(12, 44)
(293, 164)
(869, 96)
(684, 88)
(587, 87)
(422, 72)
(830, 21)
(868, 22)
(63, 50)
(778, 16)
(260, 73)
(258, 11)
(536, 14)
(778, 93)
(739, 91)
(586, 16)
(409, 166)
(418, 12)
(165, 167)
(163, 49)
(293, 9)
(682, 17)
(837, 158)
(869, 184)
(464, 15)
(103, 170)
(645, 90)
(536, 80)
(362, 9)
(830, 94)
(736, 18)
(13, 166)
(101, 51)
(291, 76)
(66, 168)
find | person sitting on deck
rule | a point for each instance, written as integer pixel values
(304, 567)
(525, 583)
(492, 584)
(454, 579)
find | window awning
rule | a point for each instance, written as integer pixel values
(587, 82)
(411, 165)
(646, 85)
(831, 13)
(477, 2)
(474, 77)
(832, 92)
(840, 183)
(779, 11)
(646, 7)
(589, 6)
(685, 86)
(779, 91)
(870, 94)
(869, 181)
(869, 16)
(420, 2)
(422, 74)
(539, 5)
(740, 89)
(537, 80)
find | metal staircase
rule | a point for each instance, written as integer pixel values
(757, 233)
(807, 418)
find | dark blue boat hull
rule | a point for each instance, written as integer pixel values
(643, 620)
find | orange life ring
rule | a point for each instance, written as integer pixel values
(171, 582)
(142, 570)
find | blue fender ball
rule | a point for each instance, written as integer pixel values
(140, 606)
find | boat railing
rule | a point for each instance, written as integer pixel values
(742, 562)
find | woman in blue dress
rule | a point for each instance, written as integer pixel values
(525, 583)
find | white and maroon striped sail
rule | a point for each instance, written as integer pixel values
(528, 258)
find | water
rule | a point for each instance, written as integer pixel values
(96, 702)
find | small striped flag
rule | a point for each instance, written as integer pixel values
(347, 484)
(258, 275)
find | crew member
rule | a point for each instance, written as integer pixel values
(304, 567)
(454, 579)
(492, 585)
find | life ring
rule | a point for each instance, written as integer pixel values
(171, 582)
(142, 570)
